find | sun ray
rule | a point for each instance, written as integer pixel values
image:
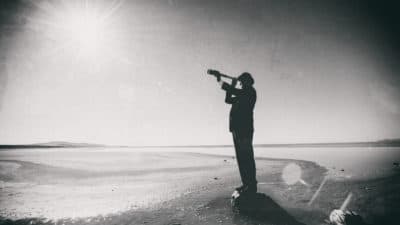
(115, 5)
(346, 202)
(318, 191)
(58, 49)
(81, 30)
(45, 7)
(42, 22)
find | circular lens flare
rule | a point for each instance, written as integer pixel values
(291, 174)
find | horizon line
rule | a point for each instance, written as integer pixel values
(66, 144)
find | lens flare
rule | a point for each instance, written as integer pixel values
(291, 174)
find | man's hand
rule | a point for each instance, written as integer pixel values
(234, 82)
(215, 73)
(218, 77)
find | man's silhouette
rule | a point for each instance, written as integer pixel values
(241, 125)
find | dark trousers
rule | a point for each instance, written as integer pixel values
(245, 157)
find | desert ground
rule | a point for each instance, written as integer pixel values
(131, 186)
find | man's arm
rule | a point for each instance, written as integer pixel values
(229, 99)
(231, 88)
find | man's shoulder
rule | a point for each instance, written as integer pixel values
(251, 90)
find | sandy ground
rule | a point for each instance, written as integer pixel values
(178, 188)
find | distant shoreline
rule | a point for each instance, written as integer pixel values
(382, 143)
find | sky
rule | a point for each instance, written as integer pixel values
(134, 72)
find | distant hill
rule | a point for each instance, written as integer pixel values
(68, 144)
(53, 144)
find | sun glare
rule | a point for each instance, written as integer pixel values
(85, 28)
(82, 27)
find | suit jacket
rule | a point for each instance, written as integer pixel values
(243, 102)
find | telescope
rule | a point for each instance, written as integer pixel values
(218, 75)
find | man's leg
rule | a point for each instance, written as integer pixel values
(245, 158)
(239, 158)
(248, 162)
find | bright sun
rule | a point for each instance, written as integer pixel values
(85, 28)
(81, 27)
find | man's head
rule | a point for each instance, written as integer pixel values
(246, 79)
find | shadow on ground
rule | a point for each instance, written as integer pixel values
(262, 209)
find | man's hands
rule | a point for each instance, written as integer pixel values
(219, 75)
(218, 78)
(216, 73)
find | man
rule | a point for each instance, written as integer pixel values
(241, 125)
